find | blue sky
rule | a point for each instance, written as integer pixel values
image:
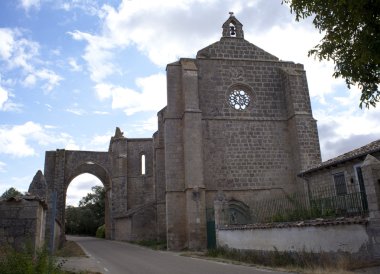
(73, 70)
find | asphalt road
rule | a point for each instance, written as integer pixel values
(124, 258)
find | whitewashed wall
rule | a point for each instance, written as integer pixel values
(333, 238)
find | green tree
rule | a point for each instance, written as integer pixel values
(11, 192)
(89, 215)
(95, 201)
(351, 39)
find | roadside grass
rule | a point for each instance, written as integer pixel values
(27, 262)
(70, 249)
(300, 262)
(39, 262)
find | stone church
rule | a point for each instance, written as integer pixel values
(237, 127)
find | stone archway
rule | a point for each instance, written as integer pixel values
(61, 167)
(99, 172)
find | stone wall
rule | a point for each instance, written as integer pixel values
(22, 222)
(247, 155)
(269, 142)
(138, 225)
(140, 186)
(159, 176)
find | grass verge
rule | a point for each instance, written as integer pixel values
(300, 262)
(28, 262)
(70, 249)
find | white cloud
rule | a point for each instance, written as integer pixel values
(99, 142)
(51, 78)
(13, 141)
(343, 126)
(90, 7)
(6, 96)
(74, 65)
(49, 107)
(24, 140)
(98, 55)
(72, 146)
(11, 106)
(76, 111)
(30, 80)
(20, 53)
(50, 127)
(175, 23)
(292, 42)
(147, 125)
(152, 96)
(20, 183)
(28, 4)
(101, 112)
(3, 97)
(6, 43)
(56, 52)
(162, 35)
(79, 187)
(66, 6)
(2, 166)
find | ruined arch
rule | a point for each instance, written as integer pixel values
(92, 168)
(61, 167)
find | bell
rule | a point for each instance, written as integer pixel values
(232, 30)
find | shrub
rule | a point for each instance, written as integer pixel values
(101, 231)
(26, 262)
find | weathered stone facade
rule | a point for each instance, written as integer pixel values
(238, 124)
(22, 222)
(212, 146)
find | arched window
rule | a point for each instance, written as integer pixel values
(142, 164)
(239, 212)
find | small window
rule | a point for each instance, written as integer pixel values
(340, 184)
(143, 164)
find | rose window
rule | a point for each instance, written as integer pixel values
(239, 99)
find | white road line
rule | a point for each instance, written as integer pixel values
(106, 269)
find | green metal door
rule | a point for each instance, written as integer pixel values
(211, 233)
(362, 188)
